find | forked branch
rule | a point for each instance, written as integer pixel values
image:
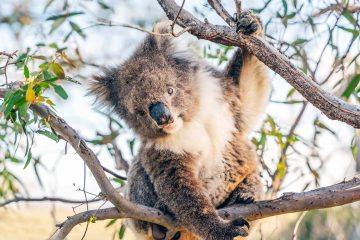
(331, 106)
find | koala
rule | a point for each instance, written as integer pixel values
(193, 121)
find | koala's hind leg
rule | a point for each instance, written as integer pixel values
(251, 75)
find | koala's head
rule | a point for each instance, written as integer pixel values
(153, 90)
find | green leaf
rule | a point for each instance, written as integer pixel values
(122, 232)
(349, 17)
(60, 91)
(8, 94)
(20, 60)
(56, 24)
(351, 87)
(284, 3)
(120, 181)
(111, 223)
(354, 32)
(57, 70)
(12, 101)
(103, 4)
(26, 72)
(65, 15)
(29, 156)
(323, 126)
(68, 35)
(77, 29)
(49, 2)
(49, 134)
(23, 112)
(291, 92)
(299, 41)
(15, 160)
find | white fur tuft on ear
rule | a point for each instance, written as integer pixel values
(162, 27)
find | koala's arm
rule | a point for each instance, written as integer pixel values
(250, 74)
(139, 189)
(175, 183)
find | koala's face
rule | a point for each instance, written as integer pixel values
(157, 96)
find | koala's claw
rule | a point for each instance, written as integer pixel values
(247, 23)
(245, 198)
(241, 222)
(237, 228)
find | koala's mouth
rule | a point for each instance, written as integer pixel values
(173, 126)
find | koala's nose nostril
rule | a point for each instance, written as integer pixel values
(160, 113)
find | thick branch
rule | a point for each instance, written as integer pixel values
(331, 106)
(335, 195)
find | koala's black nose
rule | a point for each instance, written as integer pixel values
(160, 113)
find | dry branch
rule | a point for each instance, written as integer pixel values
(335, 195)
(331, 106)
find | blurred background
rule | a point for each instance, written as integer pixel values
(64, 43)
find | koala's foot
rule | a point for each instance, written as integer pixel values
(237, 228)
(248, 23)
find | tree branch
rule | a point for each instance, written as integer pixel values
(335, 195)
(220, 10)
(46, 199)
(331, 106)
(71, 136)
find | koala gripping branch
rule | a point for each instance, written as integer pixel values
(331, 106)
(335, 195)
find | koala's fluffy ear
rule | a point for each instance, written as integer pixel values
(163, 43)
(105, 88)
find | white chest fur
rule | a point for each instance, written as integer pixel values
(209, 131)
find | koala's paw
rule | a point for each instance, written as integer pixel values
(241, 195)
(244, 197)
(248, 23)
(237, 228)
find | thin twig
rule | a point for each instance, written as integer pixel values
(86, 200)
(220, 10)
(277, 180)
(238, 6)
(111, 24)
(113, 173)
(294, 237)
(9, 56)
(172, 25)
(120, 162)
(45, 199)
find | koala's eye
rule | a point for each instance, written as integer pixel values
(140, 112)
(170, 91)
